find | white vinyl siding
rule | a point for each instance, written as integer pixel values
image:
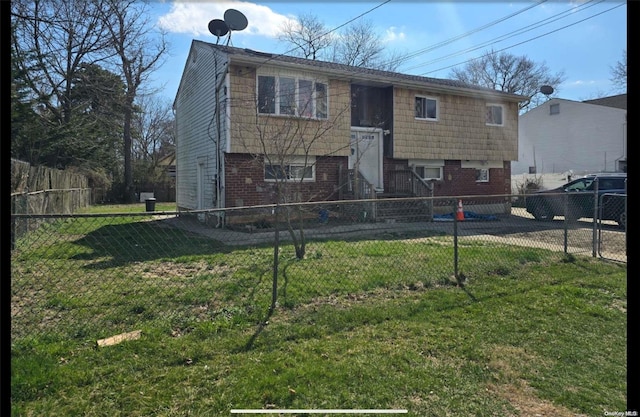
(582, 137)
(194, 113)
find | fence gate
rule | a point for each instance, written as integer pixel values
(612, 227)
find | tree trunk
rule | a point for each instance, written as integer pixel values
(129, 192)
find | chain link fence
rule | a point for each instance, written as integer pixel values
(45, 202)
(91, 276)
(611, 206)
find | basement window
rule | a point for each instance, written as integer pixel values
(296, 170)
(428, 169)
(482, 175)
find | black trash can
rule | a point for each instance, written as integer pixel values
(151, 204)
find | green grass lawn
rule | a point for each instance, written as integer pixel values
(368, 324)
(129, 208)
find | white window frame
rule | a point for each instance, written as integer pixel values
(482, 168)
(293, 165)
(319, 97)
(482, 174)
(425, 115)
(489, 108)
(428, 164)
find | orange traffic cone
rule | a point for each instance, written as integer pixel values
(459, 212)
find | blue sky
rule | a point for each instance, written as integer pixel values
(584, 39)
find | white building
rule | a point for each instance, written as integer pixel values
(562, 136)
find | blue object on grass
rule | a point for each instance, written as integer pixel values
(468, 215)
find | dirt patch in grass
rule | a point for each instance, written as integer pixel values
(513, 388)
(183, 270)
(523, 399)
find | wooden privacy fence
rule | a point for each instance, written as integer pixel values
(50, 201)
(45, 202)
(43, 190)
(26, 177)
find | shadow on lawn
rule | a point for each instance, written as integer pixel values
(120, 244)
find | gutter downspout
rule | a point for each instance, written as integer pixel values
(219, 182)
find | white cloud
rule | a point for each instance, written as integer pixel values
(193, 17)
(393, 35)
(581, 83)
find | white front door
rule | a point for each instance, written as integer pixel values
(366, 154)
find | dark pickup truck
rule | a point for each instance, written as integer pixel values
(575, 199)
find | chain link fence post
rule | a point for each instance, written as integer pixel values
(596, 216)
(455, 241)
(276, 251)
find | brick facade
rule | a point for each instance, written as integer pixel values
(246, 186)
(460, 181)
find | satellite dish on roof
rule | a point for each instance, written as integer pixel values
(546, 90)
(218, 27)
(235, 20)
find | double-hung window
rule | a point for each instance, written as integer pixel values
(494, 115)
(426, 108)
(292, 96)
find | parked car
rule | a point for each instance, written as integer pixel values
(575, 199)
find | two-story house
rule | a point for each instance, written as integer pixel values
(561, 136)
(246, 120)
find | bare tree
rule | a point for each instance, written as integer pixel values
(153, 127)
(509, 73)
(291, 132)
(357, 44)
(153, 137)
(51, 41)
(54, 42)
(138, 53)
(308, 35)
(619, 73)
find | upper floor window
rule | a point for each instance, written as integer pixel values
(426, 108)
(292, 96)
(494, 115)
(554, 108)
